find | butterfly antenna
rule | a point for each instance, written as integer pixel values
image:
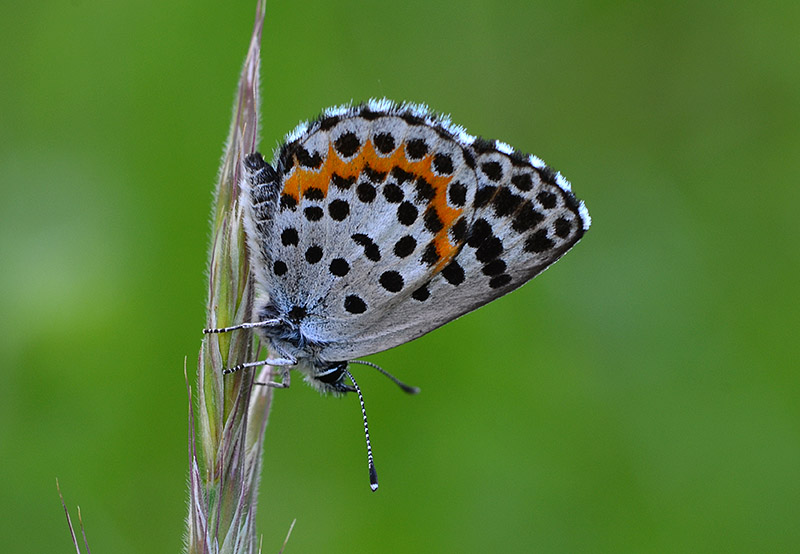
(373, 475)
(406, 388)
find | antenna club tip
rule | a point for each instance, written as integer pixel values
(373, 479)
(412, 390)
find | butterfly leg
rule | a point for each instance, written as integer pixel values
(284, 383)
(284, 363)
(265, 323)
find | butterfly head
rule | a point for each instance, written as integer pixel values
(289, 342)
(329, 378)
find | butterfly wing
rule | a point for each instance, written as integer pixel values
(514, 232)
(392, 222)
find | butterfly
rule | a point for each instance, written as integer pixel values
(377, 223)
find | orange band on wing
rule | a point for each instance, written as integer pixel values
(301, 179)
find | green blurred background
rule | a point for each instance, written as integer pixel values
(640, 396)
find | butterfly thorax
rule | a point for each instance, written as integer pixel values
(289, 341)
